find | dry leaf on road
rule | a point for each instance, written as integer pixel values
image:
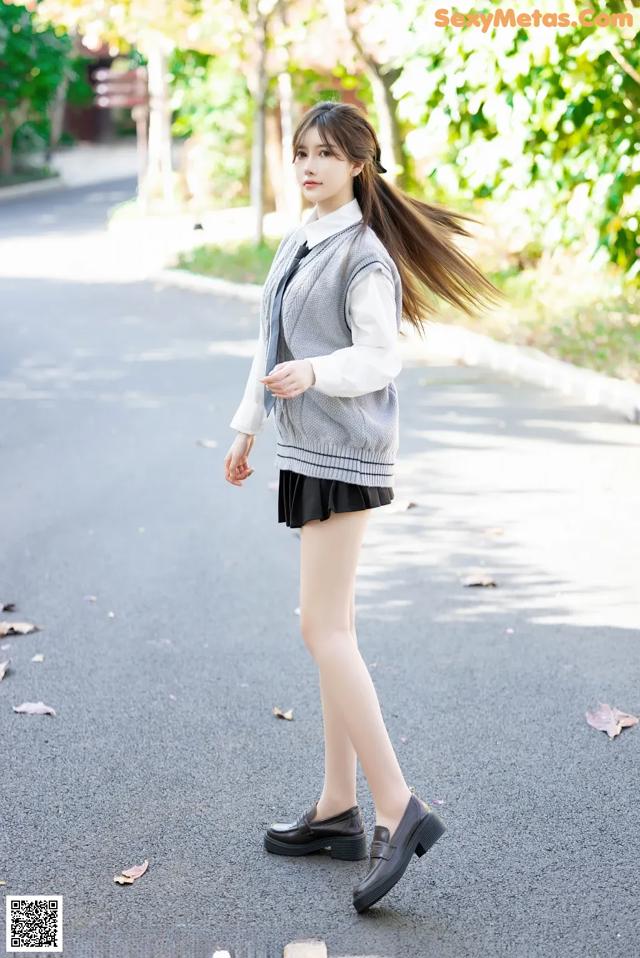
(129, 875)
(34, 708)
(610, 719)
(280, 714)
(479, 580)
(17, 628)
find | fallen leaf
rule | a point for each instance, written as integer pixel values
(34, 708)
(3, 668)
(280, 714)
(123, 881)
(483, 580)
(402, 505)
(136, 870)
(17, 628)
(38, 657)
(610, 720)
(7, 607)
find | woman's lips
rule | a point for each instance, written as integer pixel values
(312, 184)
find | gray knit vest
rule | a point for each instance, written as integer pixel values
(354, 439)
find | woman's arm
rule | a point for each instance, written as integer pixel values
(250, 416)
(373, 360)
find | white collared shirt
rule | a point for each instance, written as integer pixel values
(370, 363)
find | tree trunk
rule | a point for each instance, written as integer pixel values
(56, 114)
(273, 185)
(6, 144)
(159, 178)
(257, 152)
(392, 153)
(292, 200)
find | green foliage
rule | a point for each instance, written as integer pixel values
(80, 92)
(34, 60)
(213, 108)
(543, 121)
(310, 86)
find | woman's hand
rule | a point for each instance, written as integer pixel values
(236, 463)
(290, 379)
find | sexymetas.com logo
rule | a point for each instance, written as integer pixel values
(511, 17)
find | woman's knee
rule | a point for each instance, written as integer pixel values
(323, 640)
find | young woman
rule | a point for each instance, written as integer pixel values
(333, 302)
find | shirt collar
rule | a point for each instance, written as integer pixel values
(315, 229)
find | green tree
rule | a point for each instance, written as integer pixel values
(34, 61)
(543, 121)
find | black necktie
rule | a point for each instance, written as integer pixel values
(274, 325)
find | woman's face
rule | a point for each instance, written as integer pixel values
(332, 174)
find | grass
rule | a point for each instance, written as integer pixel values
(571, 310)
(30, 175)
(564, 306)
(242, 263)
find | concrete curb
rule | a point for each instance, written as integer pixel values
(35, 186)
(252, 292)
(534, 366)
(455, 343)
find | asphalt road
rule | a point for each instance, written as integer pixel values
(164, 747)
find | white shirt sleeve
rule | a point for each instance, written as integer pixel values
(250, 416)
(373, 360)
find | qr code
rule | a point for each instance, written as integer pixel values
(34, 923)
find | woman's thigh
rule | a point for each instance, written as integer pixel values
(329, 551)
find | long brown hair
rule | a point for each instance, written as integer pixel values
(417, 235)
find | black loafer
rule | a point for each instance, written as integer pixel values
(342, 834)
(417, 831)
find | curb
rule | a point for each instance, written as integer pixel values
(532, 365)
(252, 292)
(35, 186)
(455, 343)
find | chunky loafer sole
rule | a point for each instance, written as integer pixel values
(425, 834)
(342, 834)
(349, 848)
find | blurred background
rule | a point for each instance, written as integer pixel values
(533, 129)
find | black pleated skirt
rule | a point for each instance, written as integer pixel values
(301, 498)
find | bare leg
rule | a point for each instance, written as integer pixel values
(340, 759)
(329, 552)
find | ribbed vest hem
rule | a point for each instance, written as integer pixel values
(327, 461)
